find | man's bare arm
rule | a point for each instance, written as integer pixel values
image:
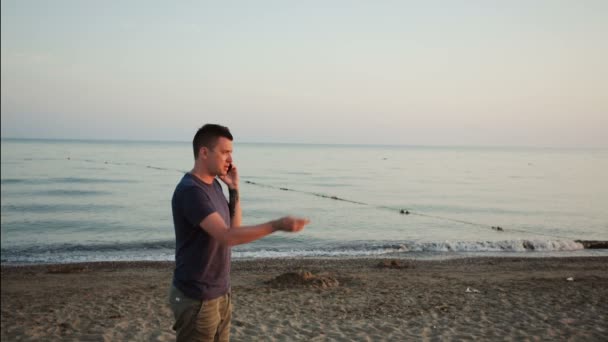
(216, 227)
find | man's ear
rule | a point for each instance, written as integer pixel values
(203, 152)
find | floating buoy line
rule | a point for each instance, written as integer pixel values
(401, 211)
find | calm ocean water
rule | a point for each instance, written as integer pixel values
(71, 201)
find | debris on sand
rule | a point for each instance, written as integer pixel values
(394, 264)
(593, 244)
(65, 269)
(303, 278)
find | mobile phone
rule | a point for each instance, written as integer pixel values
(229, 167)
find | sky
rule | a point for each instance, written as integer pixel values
(437, 73)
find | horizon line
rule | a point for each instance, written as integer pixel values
(110, 140)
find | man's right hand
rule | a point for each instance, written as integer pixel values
(290, 224)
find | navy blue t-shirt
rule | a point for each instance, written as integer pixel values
(202, 263)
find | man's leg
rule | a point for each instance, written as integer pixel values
(195, 320)
(225, 307)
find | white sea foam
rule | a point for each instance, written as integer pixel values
(404, 249)
(526, 246)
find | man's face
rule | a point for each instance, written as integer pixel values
(219, 158)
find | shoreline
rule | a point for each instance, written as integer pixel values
(592, 252)
(366, 258)
(318, 299)
(444, 251)
(293, 262)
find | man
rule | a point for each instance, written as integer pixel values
(206, 226)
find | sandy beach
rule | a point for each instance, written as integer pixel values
(321, 300)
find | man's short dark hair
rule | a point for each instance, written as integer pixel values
(207, 136)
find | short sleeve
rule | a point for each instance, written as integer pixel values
(196, 205)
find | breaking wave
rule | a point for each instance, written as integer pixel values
(164, 250)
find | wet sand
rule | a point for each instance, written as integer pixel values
(321, 300)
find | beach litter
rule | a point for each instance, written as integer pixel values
(394, 264)
(471, 290)
(65, 269)
(570, 279)
(303, 278)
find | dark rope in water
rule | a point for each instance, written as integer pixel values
(403, 211)
(407, 211)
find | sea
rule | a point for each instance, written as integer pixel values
(66, 201)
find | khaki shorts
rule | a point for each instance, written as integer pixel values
(201, 320)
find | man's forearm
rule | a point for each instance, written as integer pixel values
(250, 233)
(215, 225)
(234, 205)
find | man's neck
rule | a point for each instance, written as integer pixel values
(203, 175)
